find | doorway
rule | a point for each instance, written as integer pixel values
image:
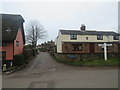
(92, 48)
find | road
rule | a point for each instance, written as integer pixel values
(44, 72)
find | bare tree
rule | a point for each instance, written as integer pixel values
(35, 31)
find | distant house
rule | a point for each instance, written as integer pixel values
(47, 45)
(85, 41)
(13, 38)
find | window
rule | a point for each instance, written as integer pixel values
(86, 38)
(116, 37)
(76, 47)
(3, 44)
(17, 43)
(3, 55)
(99, 37)
(73, 36)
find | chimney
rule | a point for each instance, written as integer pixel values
(83, 27)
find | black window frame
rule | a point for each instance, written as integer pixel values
(115, 37)
(99, 37)
(73, 36)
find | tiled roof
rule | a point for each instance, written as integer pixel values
(80, 32)
(12, 22)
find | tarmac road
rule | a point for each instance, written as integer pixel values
(44, 72)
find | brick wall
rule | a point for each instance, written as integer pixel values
(86, 56)
(8, 49)
(18, 49)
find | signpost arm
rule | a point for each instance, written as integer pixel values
(105, 49)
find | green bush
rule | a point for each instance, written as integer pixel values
(27, 53)
(34, 52)
(18, 60)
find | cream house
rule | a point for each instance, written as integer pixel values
(84, 41)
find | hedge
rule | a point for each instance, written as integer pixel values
(18, 60)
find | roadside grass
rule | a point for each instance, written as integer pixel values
(99, 62)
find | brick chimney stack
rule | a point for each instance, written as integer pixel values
(83, 27)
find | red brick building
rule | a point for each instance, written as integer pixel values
(13, 38)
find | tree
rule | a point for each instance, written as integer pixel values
(35, 31)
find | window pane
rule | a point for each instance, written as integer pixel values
(99, 37)
(116, 37)
(76, 47)
(17, 43)
(73, 36)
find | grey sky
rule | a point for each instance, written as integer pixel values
(66, 15)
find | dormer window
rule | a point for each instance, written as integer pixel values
(73, 36)
(99, 37)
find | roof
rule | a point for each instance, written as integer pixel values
(12, 22)
(80, 32)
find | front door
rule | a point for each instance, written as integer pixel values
(91, 47)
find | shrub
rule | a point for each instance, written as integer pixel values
(28, 53)
(18, 60)
(34, 52)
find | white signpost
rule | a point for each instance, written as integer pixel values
(105, 49)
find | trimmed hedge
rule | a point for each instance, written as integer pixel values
(25, 57)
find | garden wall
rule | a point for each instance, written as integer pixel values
(84, 56)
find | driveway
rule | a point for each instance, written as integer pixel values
(44, 72)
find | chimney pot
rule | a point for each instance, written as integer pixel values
(83, 27)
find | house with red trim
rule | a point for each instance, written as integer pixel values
(13, 37)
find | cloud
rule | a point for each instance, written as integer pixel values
(67, 15)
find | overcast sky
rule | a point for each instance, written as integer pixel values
(66, 15)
